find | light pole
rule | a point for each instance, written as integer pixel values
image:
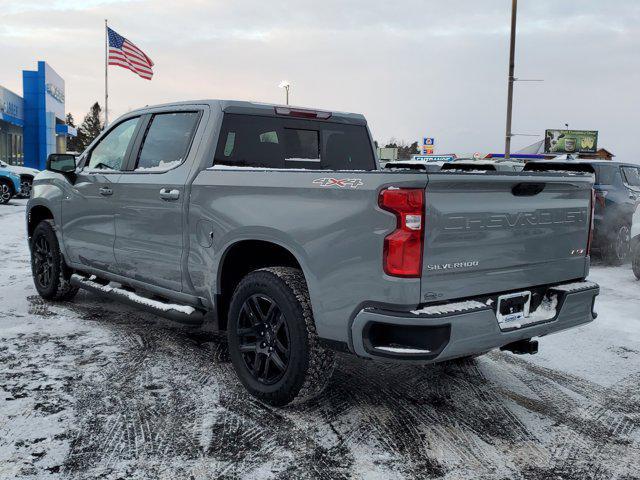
(512, 53)
(286, 85)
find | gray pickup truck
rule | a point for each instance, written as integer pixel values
(277, 224)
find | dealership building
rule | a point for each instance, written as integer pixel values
(33, 126)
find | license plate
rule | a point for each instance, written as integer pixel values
(512, 308)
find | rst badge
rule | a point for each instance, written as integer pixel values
(338, 182)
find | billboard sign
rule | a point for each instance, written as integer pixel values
(570, 141)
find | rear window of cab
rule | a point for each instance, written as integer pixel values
(274, 142)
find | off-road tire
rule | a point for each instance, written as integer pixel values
(58, 287)
(6, 192)
(309, 366)
(613, 252)
(635, 260)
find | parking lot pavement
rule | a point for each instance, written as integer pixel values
(91, 389)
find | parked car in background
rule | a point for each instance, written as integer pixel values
(26, 175)
(617, 190)
(9, 185)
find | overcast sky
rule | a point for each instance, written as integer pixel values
(414, 68)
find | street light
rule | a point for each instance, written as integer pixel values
(286, 85)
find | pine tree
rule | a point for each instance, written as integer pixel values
(91, 126)
(73, 143)
(405, 151)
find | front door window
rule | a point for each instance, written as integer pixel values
(110, 153)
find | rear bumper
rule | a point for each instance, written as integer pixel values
(461, 328)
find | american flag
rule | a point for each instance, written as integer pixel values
(124, 53)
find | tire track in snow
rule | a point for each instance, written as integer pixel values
(592, 423)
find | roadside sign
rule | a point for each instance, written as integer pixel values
(427, 150)
(570, 141)
(428, 141)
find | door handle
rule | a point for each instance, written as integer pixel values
(105, 191)
(166, 194)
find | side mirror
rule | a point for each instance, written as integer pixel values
(61, 163)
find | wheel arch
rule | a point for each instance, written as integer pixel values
(37, 214)
(243, 257)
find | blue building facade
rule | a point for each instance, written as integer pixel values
(34, 126)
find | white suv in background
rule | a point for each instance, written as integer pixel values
(26, 177)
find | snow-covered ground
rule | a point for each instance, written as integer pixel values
(92, 389)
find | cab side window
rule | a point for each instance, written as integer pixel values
(167, 141)
(110, 153)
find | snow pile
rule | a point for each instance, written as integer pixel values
(112, 288)
(402, 350)
(161, 167)
(102, 170)
(294, 159)
(455, 307)
(219, 166)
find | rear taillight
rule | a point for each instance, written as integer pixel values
(402, 256)
(591, 220)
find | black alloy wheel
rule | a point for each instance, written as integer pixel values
(273, 344)
(51, 276)
(263, 339)
(43, 262)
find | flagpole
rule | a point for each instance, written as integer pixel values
(106, 78)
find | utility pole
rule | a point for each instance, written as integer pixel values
(512, 53)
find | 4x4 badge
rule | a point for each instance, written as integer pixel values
(338, 182)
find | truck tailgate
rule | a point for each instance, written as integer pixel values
(488, 233)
